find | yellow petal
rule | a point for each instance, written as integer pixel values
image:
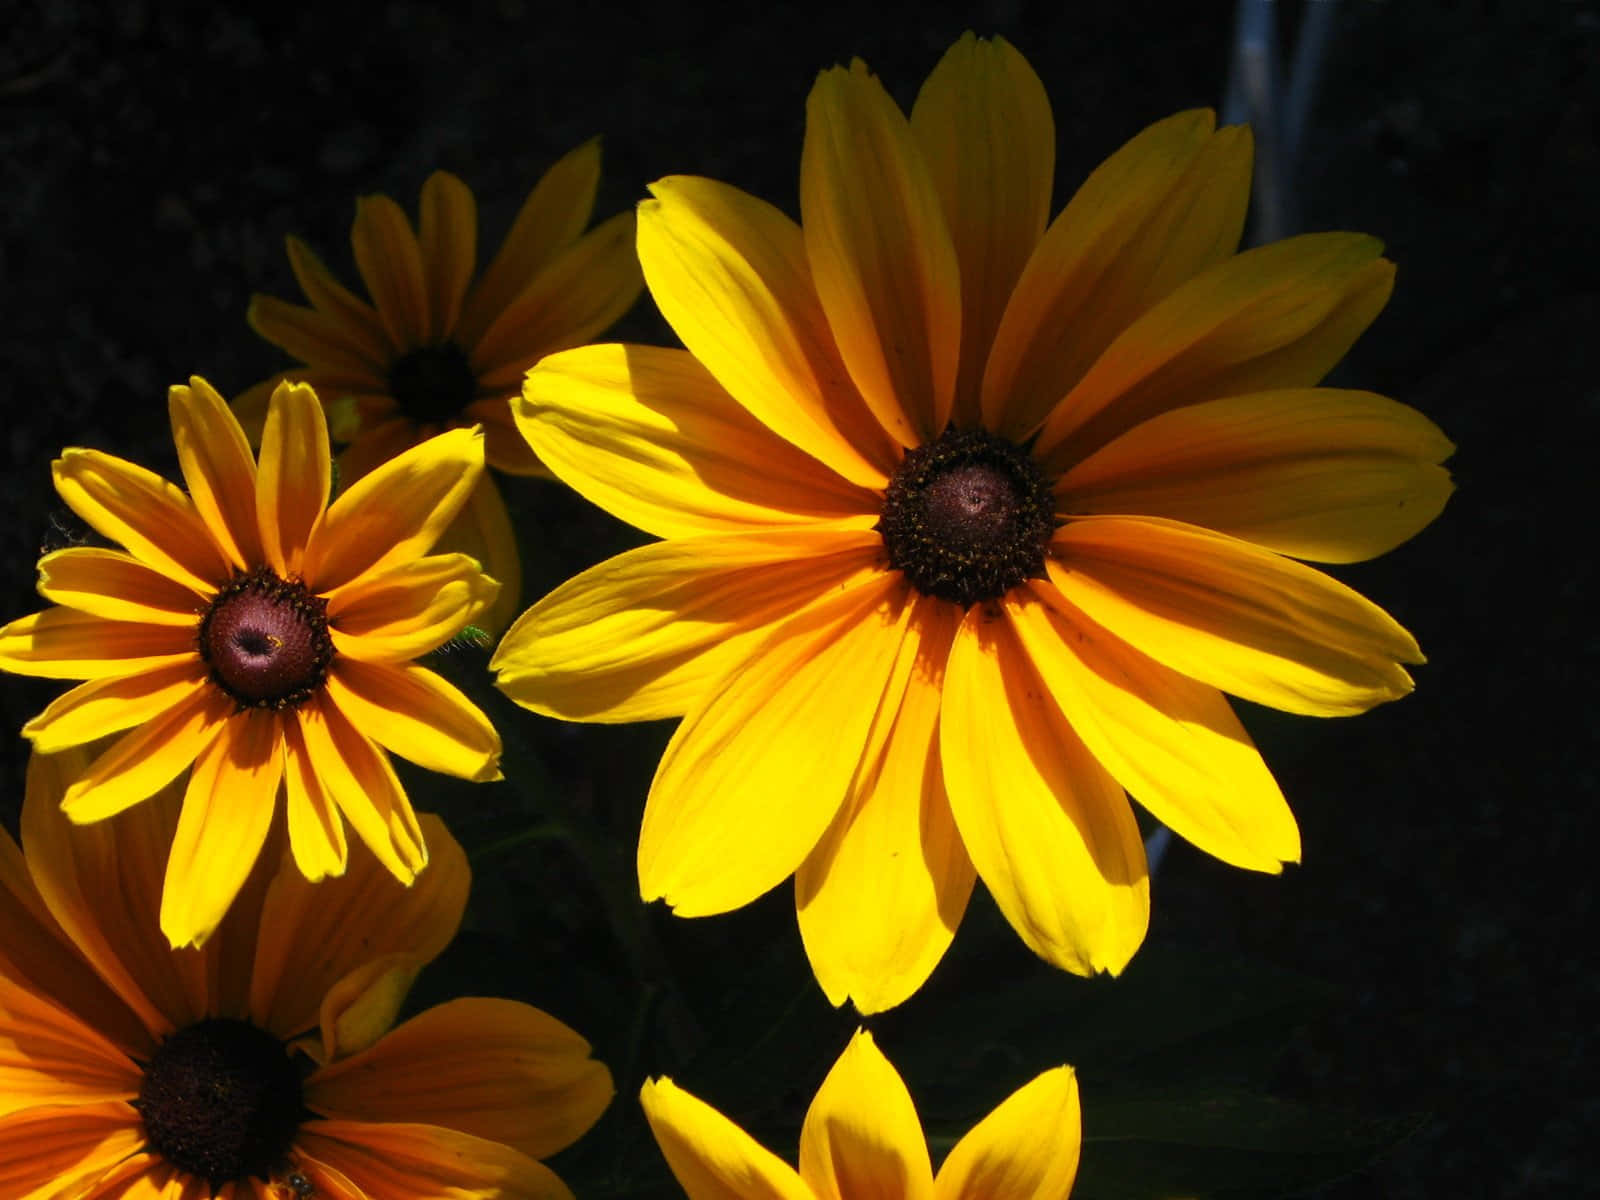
(1278, 316)
(414, 713)
(881, 253)
(218, 468)
(1319, 473)
(296, 474)
(1026, 1149)
(227, 811)
(312, 336)
(117, 586)
(1051, 834)
(102, 885)
(61, 1150)
(414, 1160)
(361, 781)
(644, 635)
(551, 218)
(648, 435)
(1233, 615)
(396, 513)
(447, 235)
(1166, 206)
(391, 266)
(754, 775)
(314, 934)
(983, 123)
(711, 1157)
(729, 273)
(482, 531)
(861, 1138)
(880, 897)
(589, 285)
(1170, 741)
(410, 609)
(496, 1069)
(316, 832)
(144, 513)
(504, 448)
(103, 707)
(62, 643)
(358, 322)
(363, 1006)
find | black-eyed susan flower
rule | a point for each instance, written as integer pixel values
(969, 518)
(255, 631)
(266, 1064)
(435, 349)
(862, 1139)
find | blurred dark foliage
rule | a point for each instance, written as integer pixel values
(1418, 987)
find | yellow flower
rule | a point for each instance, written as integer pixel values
(115, 1048)
(862, 1139)
(434, 350)
(969, 519)
(265, 636)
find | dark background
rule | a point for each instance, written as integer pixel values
(1425, 978)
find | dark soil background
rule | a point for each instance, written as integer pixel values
(153, 155)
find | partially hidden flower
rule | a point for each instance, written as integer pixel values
(862, 1139)
(265, 637)
(265, 1065)
(437, 348)
(969, 519)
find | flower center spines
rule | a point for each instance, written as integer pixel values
(266, 641)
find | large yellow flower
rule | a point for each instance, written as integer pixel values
(262, 1066)
(862, 1140)
(265, 636)
(968, 517)
(435, 350)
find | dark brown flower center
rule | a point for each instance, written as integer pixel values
(967, 517)
(433, 383)
(221, 1099)
(266, 641)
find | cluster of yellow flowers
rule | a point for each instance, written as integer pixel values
(967, 519)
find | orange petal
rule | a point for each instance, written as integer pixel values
(551, 218)
(54, 1151)
(447, 235)
(312, 336)
(583, 291)
(496, 1069)
(391, 266)
(1319, 473)
(423, 1161)
(51, 1056)
(881, 253)
(1166, 206)
(1277, 316)
(983, 123)
(358, 322)
(313, 934)
(218, 467)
